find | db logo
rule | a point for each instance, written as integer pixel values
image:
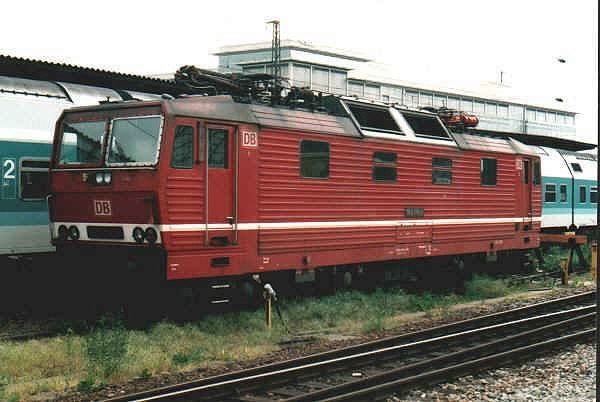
(249, 139)
(102, 207)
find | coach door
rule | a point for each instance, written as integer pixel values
(221, 165)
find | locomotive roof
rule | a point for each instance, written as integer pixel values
(224, 107)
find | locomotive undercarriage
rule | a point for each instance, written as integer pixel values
(132, 280)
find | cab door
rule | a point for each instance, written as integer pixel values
(526, 189)
(220, 180)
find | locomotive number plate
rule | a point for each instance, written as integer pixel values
(102, 207)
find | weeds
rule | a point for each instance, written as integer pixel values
(484, 287)
(105, 350)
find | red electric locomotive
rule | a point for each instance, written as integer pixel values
(210, 189)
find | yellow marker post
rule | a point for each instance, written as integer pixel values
(594, 260)
(564, 266)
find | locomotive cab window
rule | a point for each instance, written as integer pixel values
(563, 193)
(183, 149)
(441, 172)
(218, 148)
(384, 166)
(426, 126)
(34, 179)
(488, 172)
(550, 193)
(314, 159)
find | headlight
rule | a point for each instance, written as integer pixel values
(151, 235)
(107, 177)
(138, 234)
(63, 232)
(99, 178)
(74, 233)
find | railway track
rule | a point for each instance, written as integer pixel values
(376, 369)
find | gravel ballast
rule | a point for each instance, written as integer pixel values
(568, 375)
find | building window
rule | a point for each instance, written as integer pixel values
(384, 166)
(488, 172)
(183, 150)
(452, 103)
(466, 105)
(355, 88)
(301, 76)
(479, 107)
(563, 193)
(593, 195)
(490, 109)
(372, 92)
(537, 174)
(530, 115)
(550, 193)
(320, 79)
(503, 110)
(411, 98)
(582, 193)
(34, 179)
(218, 148)
(314, 159)
(540, 115)
(338, 82)
(426, 99)
(576, 167)
(439, 101)
(441, 171)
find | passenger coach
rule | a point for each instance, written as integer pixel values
(207, 187)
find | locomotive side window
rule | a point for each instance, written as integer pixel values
(582, 193)
(526, 172)
(183, 149)
(217, 148)
(441, 172)
(593, 195)
(488, 171)
(537, 175)
(314, 159)
(550, 193)
(563, 193)
(384, 166)
(34, 179)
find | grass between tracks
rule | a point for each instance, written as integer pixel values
(113, 354)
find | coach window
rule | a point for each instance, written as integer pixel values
(217, 148)
(314, 159)
(183, 150)
(488, 172)
(563, 193)
(34, 179)
(576, 167)
(593, 195)
(550, 193)
(582, 193)
(441, 172)
(537, 175)
(384, 166)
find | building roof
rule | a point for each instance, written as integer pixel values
(294, 44)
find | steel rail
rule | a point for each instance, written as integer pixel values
(417, 371)
(234, 381)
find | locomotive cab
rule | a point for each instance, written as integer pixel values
(104, 176)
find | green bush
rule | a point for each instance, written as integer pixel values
(484, 287)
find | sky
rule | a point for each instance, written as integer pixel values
(459, 42)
